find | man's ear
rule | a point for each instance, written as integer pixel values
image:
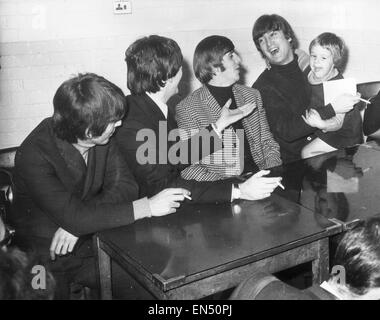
(88, 134)
(216, 71)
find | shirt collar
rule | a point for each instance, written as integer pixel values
(163, 106)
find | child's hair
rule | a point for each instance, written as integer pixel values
(333, 43)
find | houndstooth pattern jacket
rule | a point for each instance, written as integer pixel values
(200, 109)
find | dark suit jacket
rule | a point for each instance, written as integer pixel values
(145, 115)
(54, 187)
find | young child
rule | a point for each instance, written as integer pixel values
(344, 129)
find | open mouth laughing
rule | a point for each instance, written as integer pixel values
(274, 51)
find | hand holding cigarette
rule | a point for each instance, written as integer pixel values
(187, 197)
(364, 100)
(258, 186)
(280, 185)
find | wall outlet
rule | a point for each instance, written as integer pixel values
(122, 7)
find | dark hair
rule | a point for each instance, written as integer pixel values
(151, 61)
(333, 43)
(209, 55)
(87, 101)
(359, 253)
(16, 277)
(273, 22)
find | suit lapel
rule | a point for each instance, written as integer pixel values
(239, 99)
(90, 172)
(76, 168)
(210, 101)
(172, 123)
(152, 111)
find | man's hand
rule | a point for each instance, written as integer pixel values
(63, 242)
(345, 102)
(258, 187)
(313, 119)
(229, 116)
(167, 201)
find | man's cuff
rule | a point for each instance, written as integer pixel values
(235, 193)
(213, 125)
(327, 112)
(141, 209)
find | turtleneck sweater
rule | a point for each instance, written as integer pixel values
(221, 95)
(286, 93)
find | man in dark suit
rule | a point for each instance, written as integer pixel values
(71, 181)
(154, 71)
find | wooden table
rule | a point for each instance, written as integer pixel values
(204, 249)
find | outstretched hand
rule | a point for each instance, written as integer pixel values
(229, 116)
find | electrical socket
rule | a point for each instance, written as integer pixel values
(122, 7)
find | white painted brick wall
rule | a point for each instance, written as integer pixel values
(43, 42)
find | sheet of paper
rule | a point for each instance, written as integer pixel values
(336, 183)
(335, 88)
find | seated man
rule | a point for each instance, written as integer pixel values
(148, 134)
(284, 88)
(216, 66)
(357, 260)
(71, 181)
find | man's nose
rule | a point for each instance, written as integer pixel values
(268, 41)
(237, 59)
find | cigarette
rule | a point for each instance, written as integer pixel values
(364, 100)
(187, 197)
(280, 185)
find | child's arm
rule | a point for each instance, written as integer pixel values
(313, 119)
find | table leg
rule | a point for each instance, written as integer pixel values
(104, 265)
(320, 266)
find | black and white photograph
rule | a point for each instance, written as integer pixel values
(189, 155)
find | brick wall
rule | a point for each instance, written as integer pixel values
(42, 43)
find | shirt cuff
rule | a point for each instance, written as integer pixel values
(235, 193)
(213, 125)
(141, 209)
(327, 112)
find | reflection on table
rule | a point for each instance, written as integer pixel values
(343, 184)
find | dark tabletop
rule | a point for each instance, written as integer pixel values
(343, 184)
(201, 237)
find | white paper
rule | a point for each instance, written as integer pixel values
(335, 88)
(336, 183)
